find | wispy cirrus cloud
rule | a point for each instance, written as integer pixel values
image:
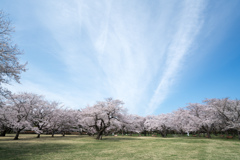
(131, 50)
(105, 46)
(189, 25)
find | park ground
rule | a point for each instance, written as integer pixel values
(120, 147)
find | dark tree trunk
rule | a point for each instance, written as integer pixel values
(17, 134)
(208, 134)
(215, 133)
(198, 133)
(99, 135)
(63, 134)
(3, 133)
(52, 133)
(89, 134)
(162, 134)
(145, 133)
(182, 133)
(227, 133)
(38, 136)
(239, 135)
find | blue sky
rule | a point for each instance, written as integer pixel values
(156, 56)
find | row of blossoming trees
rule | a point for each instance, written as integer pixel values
(28, 111)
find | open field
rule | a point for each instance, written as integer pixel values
(121, 147)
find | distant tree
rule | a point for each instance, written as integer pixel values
(205, 117)
(183, 121)
(18, 112)
(68, 121)
(4, 128)
(228, 112)
(10, 67)
(55, 121)
(42, 113)
(139, 124)
(102, 115)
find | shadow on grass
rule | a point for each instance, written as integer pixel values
(190, 138)
(28, 137)
(24, 150)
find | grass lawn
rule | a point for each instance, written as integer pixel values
(121, 147)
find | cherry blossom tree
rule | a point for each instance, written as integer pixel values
(151, 124)
(161, 124)
(204, 117)
(164, 123)
(127, 125)
(183, 121)
(42, 113)
(101, 115)
(18, 111)
(69, 121)
(228, 111)
(4, 128)
(140, 126)
(55, 121)
(10, 67)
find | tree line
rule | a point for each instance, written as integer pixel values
(28, 111)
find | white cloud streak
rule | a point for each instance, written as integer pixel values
(189, 25)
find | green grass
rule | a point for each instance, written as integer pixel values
(121, 147)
